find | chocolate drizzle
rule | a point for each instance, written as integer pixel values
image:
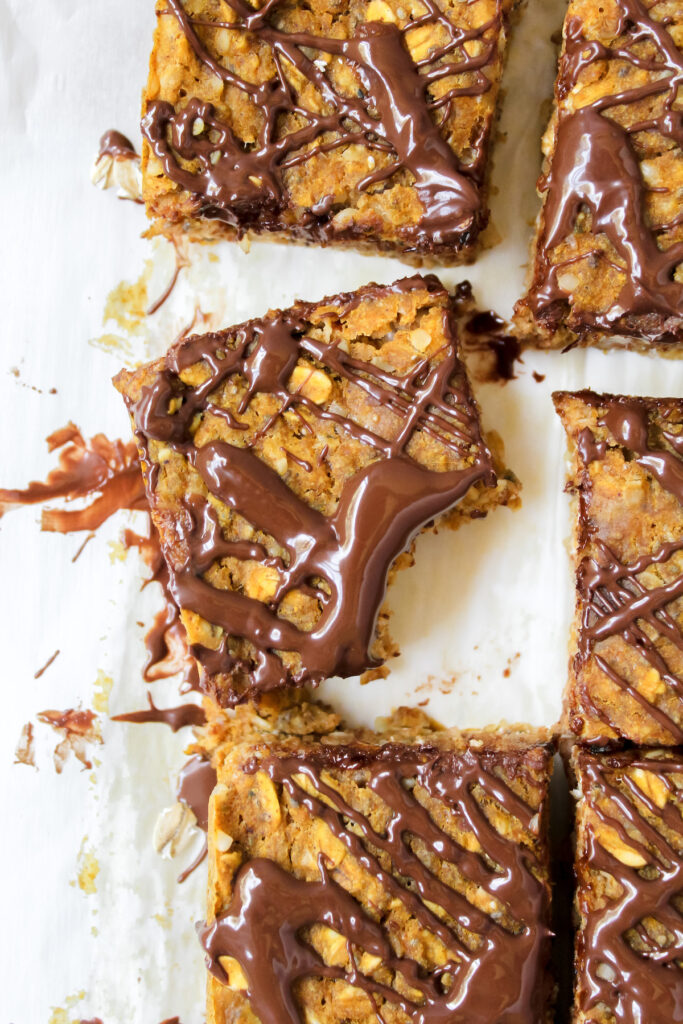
(622, 967)
(595, 167)
(613, 598)
(270, 908)
(380, 510)
(392, 114)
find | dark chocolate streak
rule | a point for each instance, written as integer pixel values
(501, 979)
(595, 165)
(645, 987)
(381, 508)
(614, 601)
(176, 718)
(391, 114)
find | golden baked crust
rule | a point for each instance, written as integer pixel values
(371, 186)
(608, 258)
(289, 463)
(629, 896)
(626, 671)
(409, 832)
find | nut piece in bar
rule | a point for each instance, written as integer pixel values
(364, 124)
(357, 877)
(629, 896)
(289, 462)
(626, 469)
(609, 251)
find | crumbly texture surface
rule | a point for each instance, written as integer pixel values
(608, 256)
(626, 470)
(629, 896)
(304, 807)
(290, 461)
(290, 122)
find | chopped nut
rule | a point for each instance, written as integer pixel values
(420, 40)
(334, 945)
(652, 684)
(568, 282)
(222, 841)
(262, 582)
(123, 175)
(163, 453)
(652, 786)
(311, 383)
(378, 10)
(236, 976)
(611, 841)
(420, 339)
(268, 799)
(605, 972)
(172, 829)
(198, 126)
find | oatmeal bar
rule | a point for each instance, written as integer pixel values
(290, 461)
(363, 124)
(629, 897)
(626, 674)
(396, 876)
(609, 250)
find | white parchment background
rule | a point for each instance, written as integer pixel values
(492, 597)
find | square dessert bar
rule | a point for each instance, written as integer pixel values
(357, 877)
(290, 461)
(363, 124)
(629, 896)
(609, 251)
(626, 468)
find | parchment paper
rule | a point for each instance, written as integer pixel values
(94, 923)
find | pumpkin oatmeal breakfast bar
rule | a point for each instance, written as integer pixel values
(629, 895)
(361, 124)
(289, 463)
(608, 258)
(357, 876)
(626, 470)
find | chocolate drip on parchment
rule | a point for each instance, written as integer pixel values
(485, 331)
(117, 146)
(390, 114)
(595, 166)
(104, 470)
(614, 601)
(636, 985)
(380, 510)
(106, 474)
(196, 782)
(262, 927)
(176, 718)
